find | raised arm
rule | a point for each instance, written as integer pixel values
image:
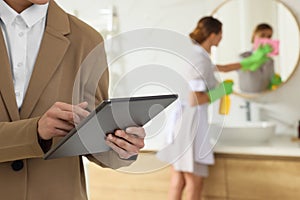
(229, 67)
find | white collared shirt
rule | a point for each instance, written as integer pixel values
(22, 34)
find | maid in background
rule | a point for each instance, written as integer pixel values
(190, 130)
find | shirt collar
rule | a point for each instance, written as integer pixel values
(7, 14)
(34, 14)
(31, 15)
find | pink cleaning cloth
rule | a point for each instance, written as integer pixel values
(274, 44)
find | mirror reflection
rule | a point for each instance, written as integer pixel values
(244, 32)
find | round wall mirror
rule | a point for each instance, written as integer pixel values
(240, 18)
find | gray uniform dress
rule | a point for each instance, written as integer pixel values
(257, 81)
(190, 149)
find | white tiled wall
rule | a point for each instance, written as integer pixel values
(281, 106)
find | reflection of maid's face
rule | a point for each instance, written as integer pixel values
(266, 33)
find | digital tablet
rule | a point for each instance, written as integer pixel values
(117, 113)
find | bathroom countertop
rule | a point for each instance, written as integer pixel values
(280, 145)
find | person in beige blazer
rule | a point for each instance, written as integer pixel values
(27, 132)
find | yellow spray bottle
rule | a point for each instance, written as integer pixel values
(224, 107)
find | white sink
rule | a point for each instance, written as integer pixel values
(244, 133)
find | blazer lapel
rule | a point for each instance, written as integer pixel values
(6, 82)
(52, 50)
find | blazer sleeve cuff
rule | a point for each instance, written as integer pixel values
(19, 140)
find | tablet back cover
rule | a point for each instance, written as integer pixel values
(118, 113)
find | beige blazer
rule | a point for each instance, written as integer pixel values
(24, 175)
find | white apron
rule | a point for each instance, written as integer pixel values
(190, 140)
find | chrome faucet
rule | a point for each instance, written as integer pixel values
(248, 110)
